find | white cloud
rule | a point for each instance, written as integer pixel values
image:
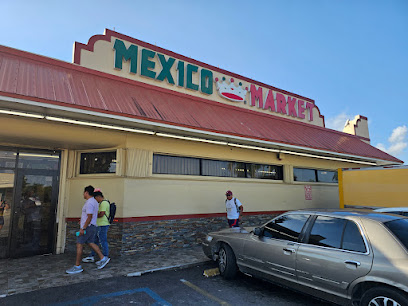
(338, 122)
(398, 141)
(398, 134)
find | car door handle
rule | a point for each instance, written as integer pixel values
(289, 250)
(352, 262)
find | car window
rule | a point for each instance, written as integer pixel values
(327, 231)
(400, 229)
(287, 227)
(352, 239)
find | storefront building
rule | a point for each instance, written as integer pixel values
(164, 136)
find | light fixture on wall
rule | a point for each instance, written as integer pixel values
(328, 158)
(93, 124)
(22, 114)
(252, 147)
(191, 138)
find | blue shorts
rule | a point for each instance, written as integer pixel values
(89, 236)
(233, 222)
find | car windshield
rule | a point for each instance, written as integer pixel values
(400, 229)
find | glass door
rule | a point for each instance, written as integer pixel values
(6, 200)
(34, 212)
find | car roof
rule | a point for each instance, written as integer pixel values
(391, 209)
(361, 213)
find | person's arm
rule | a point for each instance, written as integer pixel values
(241, 210)
(104, 208)
(87, 222)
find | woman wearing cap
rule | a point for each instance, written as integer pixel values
(234, 209)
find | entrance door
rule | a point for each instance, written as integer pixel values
(34, 212)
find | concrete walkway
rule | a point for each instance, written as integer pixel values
(45, 271)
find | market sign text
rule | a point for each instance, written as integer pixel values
(185, 72)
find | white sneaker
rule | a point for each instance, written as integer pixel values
(103, 262)
(88, 259)
(74, 270)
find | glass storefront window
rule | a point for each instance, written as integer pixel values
(164, 164)
(43, 161)
(98, 162)
(7, 159)
(304, 175)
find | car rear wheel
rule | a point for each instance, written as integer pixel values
(227, 263)
(382, 296)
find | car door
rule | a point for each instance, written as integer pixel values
(336, 253)
(273, 252)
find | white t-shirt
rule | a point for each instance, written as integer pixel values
(232, 208)
(91, 206)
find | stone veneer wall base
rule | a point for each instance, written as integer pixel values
(145, 236)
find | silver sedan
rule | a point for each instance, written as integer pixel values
(349, 257)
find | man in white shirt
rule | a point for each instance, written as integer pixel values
(234, 209)
(87, 232)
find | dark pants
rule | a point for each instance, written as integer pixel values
(233, 222)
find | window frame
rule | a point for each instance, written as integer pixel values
(312, 222)
(301, 232)
(316, 171)
(247, 168)
(78, 162)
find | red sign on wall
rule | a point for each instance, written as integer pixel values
(308, 192)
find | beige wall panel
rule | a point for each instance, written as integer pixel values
(111, 187)
(152, 197)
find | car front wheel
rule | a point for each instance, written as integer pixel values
(383, 296)
(226, 262)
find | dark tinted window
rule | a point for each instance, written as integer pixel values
(304, 175)
(352, 239)
(313, 175)
(327, 231)
(218, 168)
(98, 162)
(265, 172)
(164, 164)
(400, 229)
(327, 176)
(286, 227)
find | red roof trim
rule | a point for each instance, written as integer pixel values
(181, 125)
(55, 62)
(109, 33)
(37, 59)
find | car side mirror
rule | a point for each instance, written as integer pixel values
(258, 231)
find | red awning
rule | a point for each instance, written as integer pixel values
(36, 78)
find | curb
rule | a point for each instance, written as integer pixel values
(182, 266)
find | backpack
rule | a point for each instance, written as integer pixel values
(235, 201)
(112, 211)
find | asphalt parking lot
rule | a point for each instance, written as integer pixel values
(173, 287)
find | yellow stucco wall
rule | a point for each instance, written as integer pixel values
(375, 188)
(156, 195)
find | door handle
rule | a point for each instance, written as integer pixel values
(289, 250)
(352, 262)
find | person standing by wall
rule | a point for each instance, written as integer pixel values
(87, 232)
(234, 209)
(102, 226)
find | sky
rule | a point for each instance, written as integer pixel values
(349, 56)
